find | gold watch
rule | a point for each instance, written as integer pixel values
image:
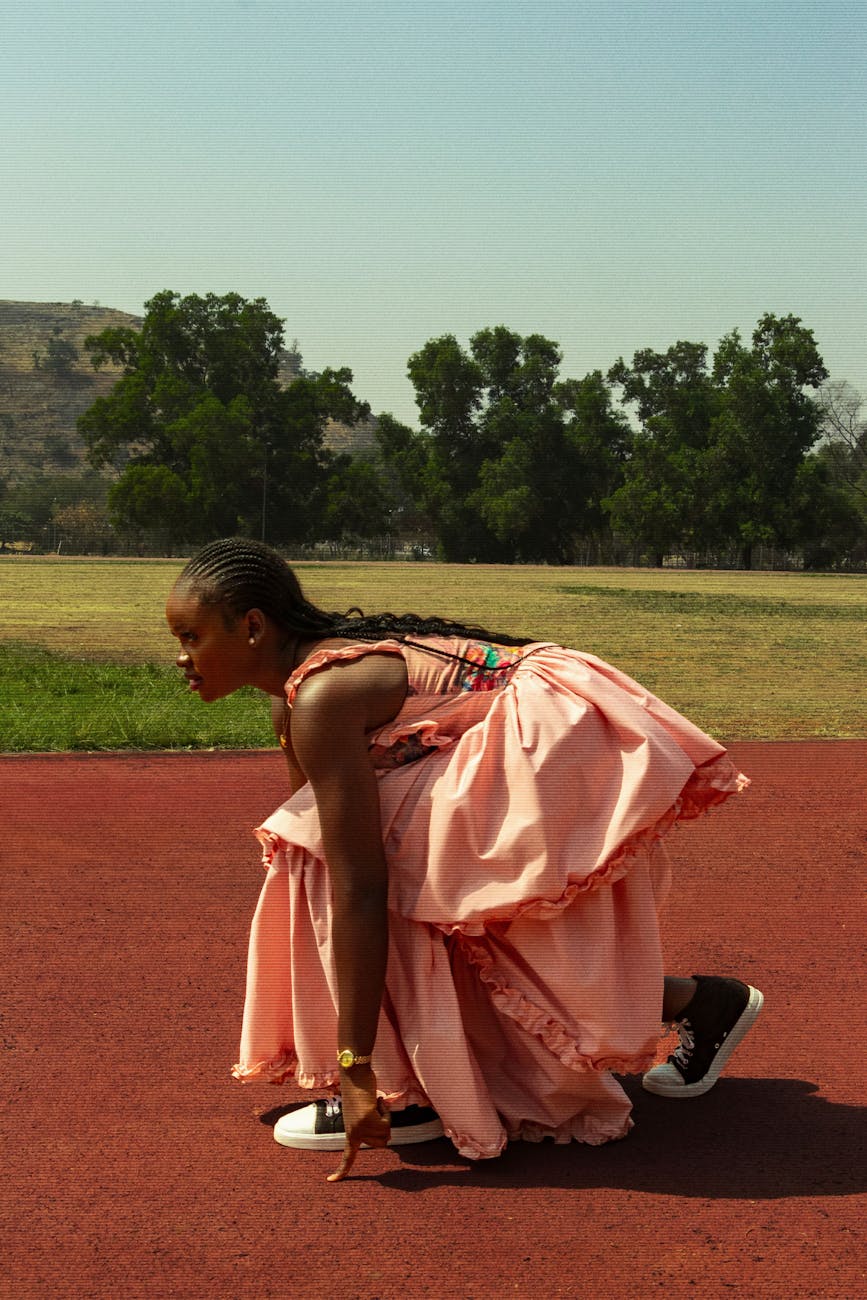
(347, 1058)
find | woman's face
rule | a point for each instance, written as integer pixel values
(216, 660)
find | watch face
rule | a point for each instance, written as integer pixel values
(345, 1058)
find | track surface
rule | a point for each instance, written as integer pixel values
(133, 1166)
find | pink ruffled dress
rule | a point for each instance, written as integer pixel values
(524, 794)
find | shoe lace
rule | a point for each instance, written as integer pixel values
(684, 1051)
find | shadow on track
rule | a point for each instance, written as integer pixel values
(750, 1139)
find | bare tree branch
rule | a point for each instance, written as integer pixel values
(844, 432)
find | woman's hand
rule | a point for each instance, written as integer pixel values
(364, 1116)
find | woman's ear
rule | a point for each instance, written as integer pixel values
(255, 624)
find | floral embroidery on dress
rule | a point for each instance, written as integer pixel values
(492, 661)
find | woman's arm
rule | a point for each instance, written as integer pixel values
(332, 715)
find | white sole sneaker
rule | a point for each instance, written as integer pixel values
(667, 1081)
(319, 1126)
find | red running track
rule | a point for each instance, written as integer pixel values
(133, 1166)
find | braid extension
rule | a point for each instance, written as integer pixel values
(243, 574)
(400, 626)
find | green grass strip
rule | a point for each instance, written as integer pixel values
(52, 702)
(656, 601)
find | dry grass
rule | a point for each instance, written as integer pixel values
(745, 655)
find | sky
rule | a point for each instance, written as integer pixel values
(613, 175)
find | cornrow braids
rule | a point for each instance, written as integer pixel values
(240, 574)
(243, 574)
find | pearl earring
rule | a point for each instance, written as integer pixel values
(252, 640)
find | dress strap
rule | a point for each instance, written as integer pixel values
(335, 654)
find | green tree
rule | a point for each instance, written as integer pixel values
(357, 505)
(665, 498)
(526, 482)
(511, 459)
(402, 457)
(60, 358)
(15, 525)
(766, 427)
(717, 457)
(648, 507)
(449, 390)
(826, 521)
(199, 396)
(297, 462)
(150, 499)
(603, 440)
(36, 498)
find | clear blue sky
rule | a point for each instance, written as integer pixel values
(612, 175)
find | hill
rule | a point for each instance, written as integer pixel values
(47, 382)
(39, 401)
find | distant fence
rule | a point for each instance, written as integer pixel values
(49, 540)
(613, 552)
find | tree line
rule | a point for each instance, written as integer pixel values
(675, 452)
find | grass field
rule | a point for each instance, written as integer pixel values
(745, 655)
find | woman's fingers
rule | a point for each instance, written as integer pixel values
(349, 1154)
(375, 1131)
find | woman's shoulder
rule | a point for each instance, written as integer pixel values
(342, 691)
(372, 663)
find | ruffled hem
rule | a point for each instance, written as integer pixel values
(709, 785)
(284, 1068)
(473, 1150)
(518, 1007)
(277, 1071)
(272, 844)
(428, 732)
(583, 1128)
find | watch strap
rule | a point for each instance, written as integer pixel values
(347, 1058)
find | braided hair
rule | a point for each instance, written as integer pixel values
(240, 574)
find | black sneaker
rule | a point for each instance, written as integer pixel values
(718, 1016)
(319, 1126)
